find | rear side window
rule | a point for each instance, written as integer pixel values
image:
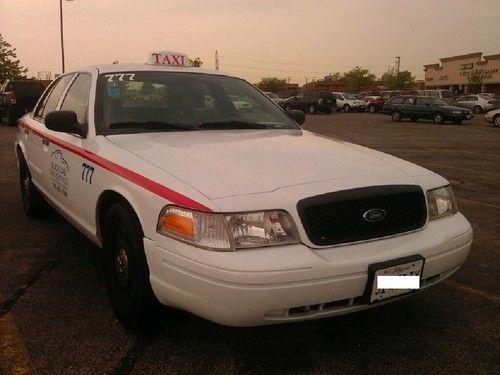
(446, 94)
(409, 100)
(52, 96)
(396, 100)
(77, 97)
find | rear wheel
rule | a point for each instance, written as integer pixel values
(396, 116)
(477, 109)
(372, 109)
(438, 118)
(311, 109)
(346, 108)
(496, 121)
(34, 205)
(11, 117)
(126, 269)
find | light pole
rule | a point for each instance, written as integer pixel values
(397, 69)
(62, 33)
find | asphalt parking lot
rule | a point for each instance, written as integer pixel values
(55, 317)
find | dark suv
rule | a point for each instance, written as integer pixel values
(312, 102)
(19, 97)
(424, 107)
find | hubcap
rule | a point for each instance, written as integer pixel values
(121, 266)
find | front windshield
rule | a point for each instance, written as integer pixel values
(350, 96)
(139, 102)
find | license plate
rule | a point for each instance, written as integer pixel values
(409, 266)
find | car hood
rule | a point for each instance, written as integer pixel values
(240, 162)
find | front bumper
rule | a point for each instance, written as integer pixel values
(294, 282)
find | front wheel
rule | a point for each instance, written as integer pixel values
(126, 269)
(346, 108)
(396, 116)
(477, 109)
(496, 121)
(372, 109)
(438, 118)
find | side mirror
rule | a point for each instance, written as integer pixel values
(65, 122)
(298, 116)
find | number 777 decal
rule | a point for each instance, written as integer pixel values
(87, 173)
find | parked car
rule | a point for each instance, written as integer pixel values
(478, 103)
(275, 98)
(348, 102)
(374, 103)
(445, 95)
(425, 107)
(19, 97)
(311, 102)
(493, 117)
(239, 217)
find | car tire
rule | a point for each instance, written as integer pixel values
(396, 116)
(126, 269)
(438, 118)
(372, 109)
(496, 121)
(286, 107)
(346, 108)
(311, 110)
(34, 205)
(477, 109)
(11, 117)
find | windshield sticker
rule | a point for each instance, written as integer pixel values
(120, 77)
(59, 173)
(113, 91)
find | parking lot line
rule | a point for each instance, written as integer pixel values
(14, 356)
(472, 291)
(479, 203)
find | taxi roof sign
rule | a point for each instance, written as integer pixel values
(169, 58)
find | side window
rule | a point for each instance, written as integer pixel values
(409, 101)
(77, 97)
(51, 98)
(420, 101)
(397, 100)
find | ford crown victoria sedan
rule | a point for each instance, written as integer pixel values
(424, 107)
(234, 214)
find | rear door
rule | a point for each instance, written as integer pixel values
(422, 108)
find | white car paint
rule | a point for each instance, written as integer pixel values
(233, 171)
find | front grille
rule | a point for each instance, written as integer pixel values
(341, 217)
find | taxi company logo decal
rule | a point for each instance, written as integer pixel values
(59, 173)
(375, 214)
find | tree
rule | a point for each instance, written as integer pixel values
(476, 80)
(197, 63)
(9, 65)
(394, 82)
(333, 77)
(272, 84)
(357, 79)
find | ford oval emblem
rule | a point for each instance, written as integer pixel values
(374, 214)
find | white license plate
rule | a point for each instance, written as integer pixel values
(409, 268)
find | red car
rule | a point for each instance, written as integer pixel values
(375, 103)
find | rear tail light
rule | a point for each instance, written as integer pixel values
(12, 98)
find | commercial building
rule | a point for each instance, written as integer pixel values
(465, 73)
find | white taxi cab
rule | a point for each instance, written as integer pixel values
(234, 214)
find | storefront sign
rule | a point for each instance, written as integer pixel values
(482, 72)
(466, 66)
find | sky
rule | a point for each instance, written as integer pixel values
(297, 40)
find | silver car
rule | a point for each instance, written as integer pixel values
(477, 103)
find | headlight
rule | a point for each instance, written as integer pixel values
(227, 232)
(441, 202)
(457, 112)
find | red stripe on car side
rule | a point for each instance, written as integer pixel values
(132, 176)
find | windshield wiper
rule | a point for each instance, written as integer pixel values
(149, 125)
(233, 124)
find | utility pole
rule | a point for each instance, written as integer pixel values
(398, 62)
(216, 60)
(62, 35)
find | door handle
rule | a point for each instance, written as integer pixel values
(45, 141)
